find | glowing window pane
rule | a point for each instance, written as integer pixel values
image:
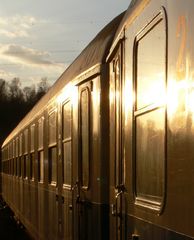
(85, 136)
(150, 82)
(150, 154)
(52, 128)
(40, 133)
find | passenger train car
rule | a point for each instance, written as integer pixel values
(108, 152)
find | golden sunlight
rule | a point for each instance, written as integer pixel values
(70, 91)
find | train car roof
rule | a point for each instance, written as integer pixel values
(133, 11)
(95, 53)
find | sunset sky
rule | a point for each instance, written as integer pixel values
(41, 38)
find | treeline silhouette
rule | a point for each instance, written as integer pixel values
(16, 101)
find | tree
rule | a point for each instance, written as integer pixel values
(15, 90)
(3, 90)
(16, 102)
(29, 93)
(43, 87)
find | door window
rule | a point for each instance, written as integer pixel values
(52, 147)
(150, 113)
(84, 135)
(67, 143)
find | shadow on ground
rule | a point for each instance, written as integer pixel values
(9, 229)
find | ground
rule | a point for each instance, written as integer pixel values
(9, 229)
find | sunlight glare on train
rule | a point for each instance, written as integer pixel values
(68, 92)
(96, 102)
(180, 93)
(111, 96)
(172, 97)
(150, 89)
(128, 95)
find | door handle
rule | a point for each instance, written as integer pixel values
(114, 207)
(117, 195)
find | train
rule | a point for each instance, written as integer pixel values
(108, 152)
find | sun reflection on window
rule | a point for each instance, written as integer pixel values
(180, 96)
(70, 91)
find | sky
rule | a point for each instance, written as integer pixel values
(40, 38)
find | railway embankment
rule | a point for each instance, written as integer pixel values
(9, 229)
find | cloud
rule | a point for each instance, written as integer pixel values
(16, 26)
(13, 34)
(5, 74)
(28, 56)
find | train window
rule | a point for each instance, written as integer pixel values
(67, 143)
(17, 147)
(40, 150)
(150, 114)
(6, 153)
(52, 164)
(12, 167)
(16, 166)
(52, 127)
(3, 164)
(11, 157)
(9, 161)
(116, 75)
(3, 154)
(52, 147)
(40, 132)
(32, 160)
(32, 137)
(20, 144)
(25, 164)
(67, 120)
(26, 141)
(40, 166)
(17, 155)
(8, 166)
(4, 168)
(14, 158)
(84, 131)
(150, 66)
(13, 148)
(19, 166)
(25, 157)
(150, 154)
(20, 159)
(8, 148)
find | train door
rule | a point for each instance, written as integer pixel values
(81, 176)
(117, 219)
(64, 186)
(52, 200)
(67, 169)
